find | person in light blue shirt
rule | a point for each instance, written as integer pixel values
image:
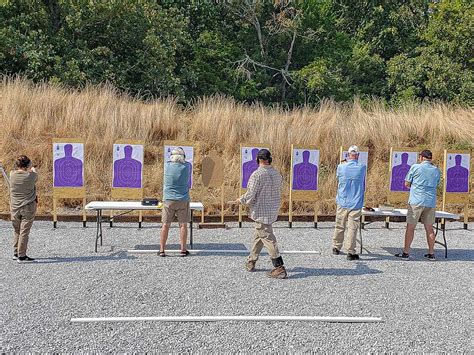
(176, 198)
(422, 179)
(350, 200)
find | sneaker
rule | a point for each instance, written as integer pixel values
(278, 273)
(335, 251)
(430, 257)
(25, 259)
(250, 265)
(403, 255)
(15, 257)
(352, 257)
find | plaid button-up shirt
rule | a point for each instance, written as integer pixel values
(263, 195)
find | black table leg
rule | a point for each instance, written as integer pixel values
(191, 230)
(97, 232)
(444, 244)
(360, 234)
(100, 226)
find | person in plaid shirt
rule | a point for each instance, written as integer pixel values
(263, 198)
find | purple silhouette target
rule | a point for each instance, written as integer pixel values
(305, 169)
(68, 164)
(128, 166)
(401, 164)
(248, 163)
(189, 151)
(457, 174)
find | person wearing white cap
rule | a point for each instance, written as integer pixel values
(176, 199)
(350, 200)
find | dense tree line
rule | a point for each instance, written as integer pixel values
(289, 52)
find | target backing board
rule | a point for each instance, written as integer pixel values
(68, 173)
(401, 160)
(304, 175)
(248, 161)
(68, 164)
(457, 173)
(127, 169)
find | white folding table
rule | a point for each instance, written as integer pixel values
(130, 206)
(403, 213)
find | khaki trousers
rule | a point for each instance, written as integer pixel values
(22, 220)
(351, 218)
(264, 237)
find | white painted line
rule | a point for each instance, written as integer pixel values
(216, 251)
(231, 319)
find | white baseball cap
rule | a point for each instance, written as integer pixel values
(178, 151)
(353, 149)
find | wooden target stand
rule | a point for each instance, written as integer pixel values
(126, 193)
(182, 144)
(69, 193)
(213, 177)
(456, 197)
(241, 189)
(396, 196)
(302, 195)
(341, 159)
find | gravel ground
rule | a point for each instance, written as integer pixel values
(426, 306)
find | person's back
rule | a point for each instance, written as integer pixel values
(175, 184)
(265, 205)
(22, 188)
(351, 178)
(22, 205)
(424, 179)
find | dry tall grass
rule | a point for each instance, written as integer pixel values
(33, 114)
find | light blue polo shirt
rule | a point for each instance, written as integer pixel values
(424, 178)
(351, 187)
(175, 184)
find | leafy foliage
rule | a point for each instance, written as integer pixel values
(286, 52)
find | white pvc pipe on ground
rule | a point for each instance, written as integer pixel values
(230, 319)
(215, 251)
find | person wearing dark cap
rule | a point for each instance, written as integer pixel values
(422, 180)
(263, 198)
(22, 205)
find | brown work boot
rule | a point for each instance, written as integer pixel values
(278, 273)
(250, 265)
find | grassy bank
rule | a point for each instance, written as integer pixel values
(31, 115)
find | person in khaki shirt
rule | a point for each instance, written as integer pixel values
(263, 198)
(22, 205)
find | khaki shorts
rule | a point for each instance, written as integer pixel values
(180, 209)
(425, 215)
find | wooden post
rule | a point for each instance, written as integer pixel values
(315, 215)
(55, 213)
(84, 216)
(222, 203)
(466, 215)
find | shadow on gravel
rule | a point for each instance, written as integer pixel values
(121, 255)
(209, 246)
(303, 272)
(416, 254)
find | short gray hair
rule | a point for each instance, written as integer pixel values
(178, 156)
